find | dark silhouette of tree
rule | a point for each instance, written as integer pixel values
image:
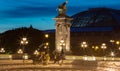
(10, 39)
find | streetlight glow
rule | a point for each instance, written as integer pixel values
(112, 41)
(62, 44)
(103, 46)
(117, 42)
(20, 51)
(24, 41)
(36, 52)
(21, 42)
(2, 50)
(84, 45)
(112, 54)
(46, 43)
(119, 48)
(46, 35)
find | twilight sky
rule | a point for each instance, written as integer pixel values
(40, 13)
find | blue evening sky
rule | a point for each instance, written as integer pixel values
(40, 13)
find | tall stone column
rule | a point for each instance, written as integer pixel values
(62, 33)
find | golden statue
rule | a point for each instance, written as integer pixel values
(62, 8)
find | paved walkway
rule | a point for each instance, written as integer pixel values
(55, 67)
(66, 66)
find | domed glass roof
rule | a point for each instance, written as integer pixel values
(97, 17)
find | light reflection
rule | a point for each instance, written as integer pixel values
(89, 58)
(85, 58)
(111, 69)
(108, 66)
(104, 58)
(112, 54)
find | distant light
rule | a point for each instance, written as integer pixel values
(93, 47)
(45, 47)
(46, 35)
(84, 44)
(21, 42)
(96, 48)
(26, 42)
(10, 56)
(112, 54)
(85, 58)
(2, 50)
(93, 58)
(117, 42)
(24, 39)
(112, 41)
(103, 46)
(47, 43)
(25, 56)
(20, 51)
(36, 52)
(119, 48)
(89, 58)
(104, 58)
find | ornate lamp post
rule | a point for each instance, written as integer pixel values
(103, 47)
(24, 42)
(46, 47)
(20, 51)
(84, 45)
(36, 52)
(62, 44)
(2, 50)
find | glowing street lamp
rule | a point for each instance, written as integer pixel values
(117, 42)
(62, 44)
(36, 52)
(20, 51)
(24, 41)
(103, 46)
(46, 47)
(2, 50)
(46, 43)
(46, 35)
(95, 48)
(112, 41)
(84, 45)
